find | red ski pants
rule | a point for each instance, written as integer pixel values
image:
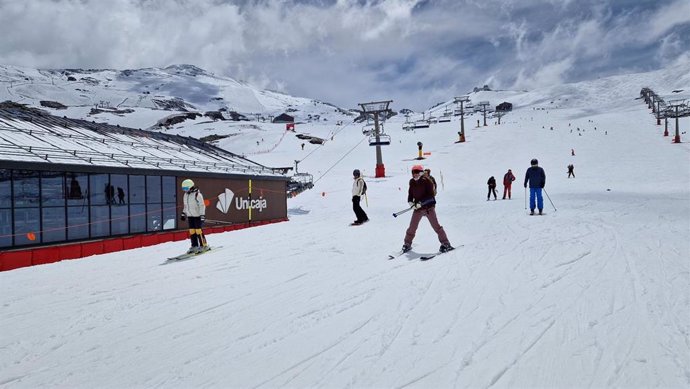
(430, 214)
(506, 189)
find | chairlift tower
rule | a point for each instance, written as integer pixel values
(462, 100)
(374, 109)
(677, 109)
(484, 105)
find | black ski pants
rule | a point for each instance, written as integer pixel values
(359, 212)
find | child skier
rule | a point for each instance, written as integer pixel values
(195, 211)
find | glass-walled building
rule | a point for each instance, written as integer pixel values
(68, 180)
(39, 207)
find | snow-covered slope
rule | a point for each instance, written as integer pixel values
(593, 294)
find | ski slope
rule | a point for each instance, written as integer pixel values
(593, 294)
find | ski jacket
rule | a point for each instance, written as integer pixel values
(421, 191)
(508, 179)
(536, 177)
(491, 182)
(193, 202)
(358, 187)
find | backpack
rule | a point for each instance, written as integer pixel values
(364, 188)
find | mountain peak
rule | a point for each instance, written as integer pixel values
(187, 69)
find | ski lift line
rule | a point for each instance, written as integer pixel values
(338, 161)
(321, 145)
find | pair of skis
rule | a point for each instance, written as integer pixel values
(424, 257)
(186, 256)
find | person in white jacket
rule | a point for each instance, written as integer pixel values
(195, 211)
(358, 190)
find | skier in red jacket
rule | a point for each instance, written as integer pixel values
(508, 179)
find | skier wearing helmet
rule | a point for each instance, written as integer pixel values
(359, 188)
(536, 177)
(420, 196)
(195, 211)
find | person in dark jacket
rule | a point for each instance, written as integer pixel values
(508, 179)
(420, 196)
(492, 188)
(571, 170)
(536, 177)
(427, 173)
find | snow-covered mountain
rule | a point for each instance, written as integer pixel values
(140, 97)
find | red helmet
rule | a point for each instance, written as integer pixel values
(417, 168)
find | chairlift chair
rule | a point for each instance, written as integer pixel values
(384, 140)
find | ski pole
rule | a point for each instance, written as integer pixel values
(547, 196)
(412, 207)
(525, 198)
(396, 214)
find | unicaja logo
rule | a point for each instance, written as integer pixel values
(225, 200)
(259, 203)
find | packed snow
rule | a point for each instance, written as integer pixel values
(593, 294)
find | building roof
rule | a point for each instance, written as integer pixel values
(33, 135)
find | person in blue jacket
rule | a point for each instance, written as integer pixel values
(536, 177)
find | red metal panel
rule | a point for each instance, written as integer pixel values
(15, 260)
(166, 237)
(91, 248)
(45, 255)
(131, 242)
(149, 240)
(113, 245)
(181, 235)
(70, 251)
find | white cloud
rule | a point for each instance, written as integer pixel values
(411, 51)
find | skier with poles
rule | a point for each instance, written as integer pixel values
(420, 197)
(536, 177)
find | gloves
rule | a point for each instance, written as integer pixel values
(183, 216)
(203, 218)
(415, 205)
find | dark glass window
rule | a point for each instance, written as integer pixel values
(137, 218)
(169, 216)
(5, 188)
(53, 191)
(77, 188)
(5, 227)
(169, 189)
(77, 222)
(25, 186)
(137, 189)
(102, 192)
(119, 219)
(54, 224)
(119, 182)
(153, 189)
(154, 217)
(100, 220)
(26, 226)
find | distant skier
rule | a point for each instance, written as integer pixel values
(427, 173)
(195, 211)
(536, 177)
(508, 179)
(571, 170)
(420, 196)
(358, 190)
(492, 188)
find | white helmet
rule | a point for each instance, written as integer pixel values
(187, 184)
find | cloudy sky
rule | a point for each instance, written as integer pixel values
(415, 52)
